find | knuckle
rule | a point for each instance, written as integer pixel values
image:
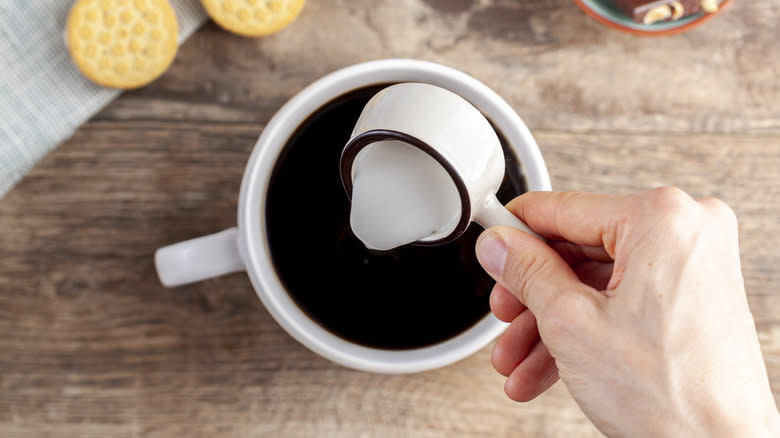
(523, 271)
(670, 200)
(553, 329)
(712, 203)
(564, 313)
(565, 198)
(556, 321)
(674, 209)
(719, 209)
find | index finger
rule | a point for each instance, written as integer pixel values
(592, 219)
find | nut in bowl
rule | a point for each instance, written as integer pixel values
(652, 17)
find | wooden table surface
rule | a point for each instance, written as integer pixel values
(92, 346)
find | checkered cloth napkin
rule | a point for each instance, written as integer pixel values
(43, 97)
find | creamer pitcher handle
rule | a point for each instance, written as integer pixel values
(491, 213)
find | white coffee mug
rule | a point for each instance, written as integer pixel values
(246, 247)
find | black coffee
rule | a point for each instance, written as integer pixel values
(409, 297)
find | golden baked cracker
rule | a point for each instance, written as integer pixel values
(253, 18)
(122, 43)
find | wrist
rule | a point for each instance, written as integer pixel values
(748, 426)
(735, 422)
(773, 425)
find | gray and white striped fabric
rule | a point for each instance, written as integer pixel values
(43, 97)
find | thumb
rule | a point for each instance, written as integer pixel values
(528, 267)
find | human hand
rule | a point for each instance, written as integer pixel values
(641, 310)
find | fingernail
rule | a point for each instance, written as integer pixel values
(491, 253)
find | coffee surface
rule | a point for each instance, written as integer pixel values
(409, 297)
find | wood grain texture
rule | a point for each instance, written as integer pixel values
(93, 346)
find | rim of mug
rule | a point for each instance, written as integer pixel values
(252, 198)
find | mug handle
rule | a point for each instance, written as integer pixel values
(491, 213)
(198, 259)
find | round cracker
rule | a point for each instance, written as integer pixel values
(253, 18)
(122, 43)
